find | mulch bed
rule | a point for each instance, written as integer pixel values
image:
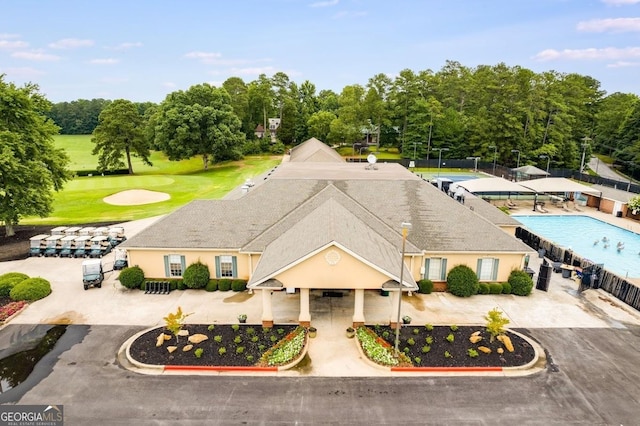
(523, 352)
(255, 341)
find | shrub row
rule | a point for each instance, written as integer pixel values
(463, 282)
(19, 286)
(133, 278)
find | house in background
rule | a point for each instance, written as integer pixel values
(319, 224)
(274, 124)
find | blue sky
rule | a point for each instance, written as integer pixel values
(142, 50)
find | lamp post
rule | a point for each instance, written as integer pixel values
(548, 161)
(518, 151)
(440, 157)
(415, 145)
(475, 163)
(495, 157)
(405, 229)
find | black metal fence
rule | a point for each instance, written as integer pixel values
(593, 275)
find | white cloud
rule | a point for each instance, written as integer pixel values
(608, 53)
(253, 70)
(324, 3)
(70, 43)
(623, 64)
(13, 44)
(35, 55)
(615, 25)
(104, 61)
(126, 46)
(206, 57)
(24, 72)
(620, 2)
(169, 84)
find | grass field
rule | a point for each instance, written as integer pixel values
(81, 199)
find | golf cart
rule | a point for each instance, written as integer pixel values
(101, 230)
(72, 230)
(80, 246)
(116, 235)
(87, 230)
(52, 245)
(92, 274)
(66, 243)
(121, 260)
(99, 246)
(58, 230)
(37, 244)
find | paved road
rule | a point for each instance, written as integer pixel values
(592, 379)
(604, 170)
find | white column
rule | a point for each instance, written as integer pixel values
(358, 307)
(305, 315)
(267, 311)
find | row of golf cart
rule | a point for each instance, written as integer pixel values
(77, 241)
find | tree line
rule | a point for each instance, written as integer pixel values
(486, 111)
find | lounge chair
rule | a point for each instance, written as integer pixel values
(541, 209)
(511, 203)
(565, 207)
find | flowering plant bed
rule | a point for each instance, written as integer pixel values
(238, 345)
(8, 308)
(442, 346)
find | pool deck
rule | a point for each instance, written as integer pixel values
(526, 208)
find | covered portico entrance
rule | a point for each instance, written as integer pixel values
(333, 269)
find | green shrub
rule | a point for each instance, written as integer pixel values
(31, 289)
(425, 286)
(9, 280)
(239, 285)
(224, 284)
(212, 285)
(483, 288)
(450, 338)
(198, 352)
(131, 277)
(462, 281)
(495, 288)
(180, 285)
(196, 275)
(426, 349)
(217, 338)
(506, 288)
(521, 283)
(472, 352)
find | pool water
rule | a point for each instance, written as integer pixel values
(587, 237)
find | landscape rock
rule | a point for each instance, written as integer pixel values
(187, 348)
(171, 349)
(197, 338)
(183, 333)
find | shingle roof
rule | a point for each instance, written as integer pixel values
(313, 150)
(329, 223)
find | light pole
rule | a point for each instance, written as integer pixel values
(440, 157)
(405, 229)
(415, 145)
(495, 157)
(548, 161)
(518, 151)
(475, 163)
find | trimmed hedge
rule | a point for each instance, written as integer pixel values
(9, 280)
(506, 288)
(425, 286)
(462, 281)
(196, 275)
(521, 283)
(495, 288)
(131, 277)
(212, 285)
(238, 285)
(483, 288)
(224, 284)
(31, 289)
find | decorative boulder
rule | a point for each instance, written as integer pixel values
(171, 349)
(197, 338)
(187, 348)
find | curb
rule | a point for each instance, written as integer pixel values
(537, 364)
(143, 368)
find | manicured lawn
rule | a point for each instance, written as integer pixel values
(81, 199)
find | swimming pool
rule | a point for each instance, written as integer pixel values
(588, 237)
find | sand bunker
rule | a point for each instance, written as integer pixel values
(135, 197)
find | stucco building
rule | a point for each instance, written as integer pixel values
(317, 223)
